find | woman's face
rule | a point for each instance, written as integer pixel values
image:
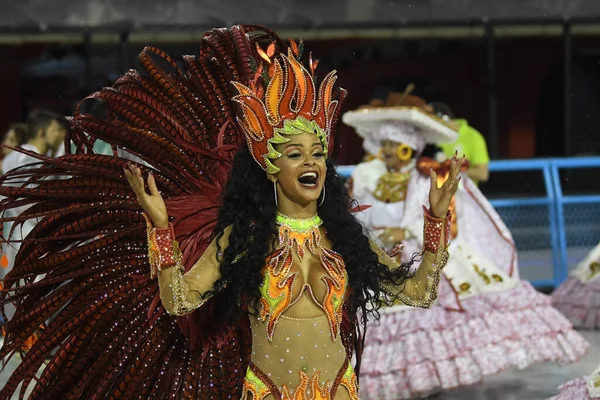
(11, 140)
(303, 170)
(389, 154)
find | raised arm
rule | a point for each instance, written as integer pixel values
(180, 293)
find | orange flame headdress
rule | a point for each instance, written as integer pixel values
(289, 105)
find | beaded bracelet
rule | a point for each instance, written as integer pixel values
(432, 231)
(396, 250)
(161, 247)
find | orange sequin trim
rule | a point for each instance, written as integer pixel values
(317, 391)
(336, 288)
(260, 386)
(350, 382)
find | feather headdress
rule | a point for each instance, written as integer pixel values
(283, 102)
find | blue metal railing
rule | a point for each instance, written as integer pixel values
(549, 223)
(578, 216)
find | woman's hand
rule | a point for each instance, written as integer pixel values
(392, 236)
(440, 198)
(153, 203)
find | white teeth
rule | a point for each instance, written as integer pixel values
(309, 174)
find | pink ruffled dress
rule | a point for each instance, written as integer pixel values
(578, 298)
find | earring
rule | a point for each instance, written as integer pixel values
(275, 191)
(323, 199)
(404, 152)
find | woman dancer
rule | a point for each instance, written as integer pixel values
(578, 298)
(258, 290)
(486, 319)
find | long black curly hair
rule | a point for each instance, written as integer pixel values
(249, 208)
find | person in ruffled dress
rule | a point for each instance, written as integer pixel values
(578, 298)
(586, 388)
(486, 318)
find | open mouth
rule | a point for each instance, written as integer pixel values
(309, 180)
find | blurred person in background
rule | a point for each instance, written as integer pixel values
(15, 136)
(56, 138)
(384, 95)
(470, 142)
(486, 319)
(578, 298)
(45, 134)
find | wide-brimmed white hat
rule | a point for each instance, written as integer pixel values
(409, 122)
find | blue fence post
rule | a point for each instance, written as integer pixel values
(560, 224)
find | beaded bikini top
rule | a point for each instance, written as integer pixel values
(296, 235)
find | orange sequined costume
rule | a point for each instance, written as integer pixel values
(278, 297)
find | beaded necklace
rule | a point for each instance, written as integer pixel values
(393, 185)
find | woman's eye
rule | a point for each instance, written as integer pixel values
(318, 155)
(294, 155)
